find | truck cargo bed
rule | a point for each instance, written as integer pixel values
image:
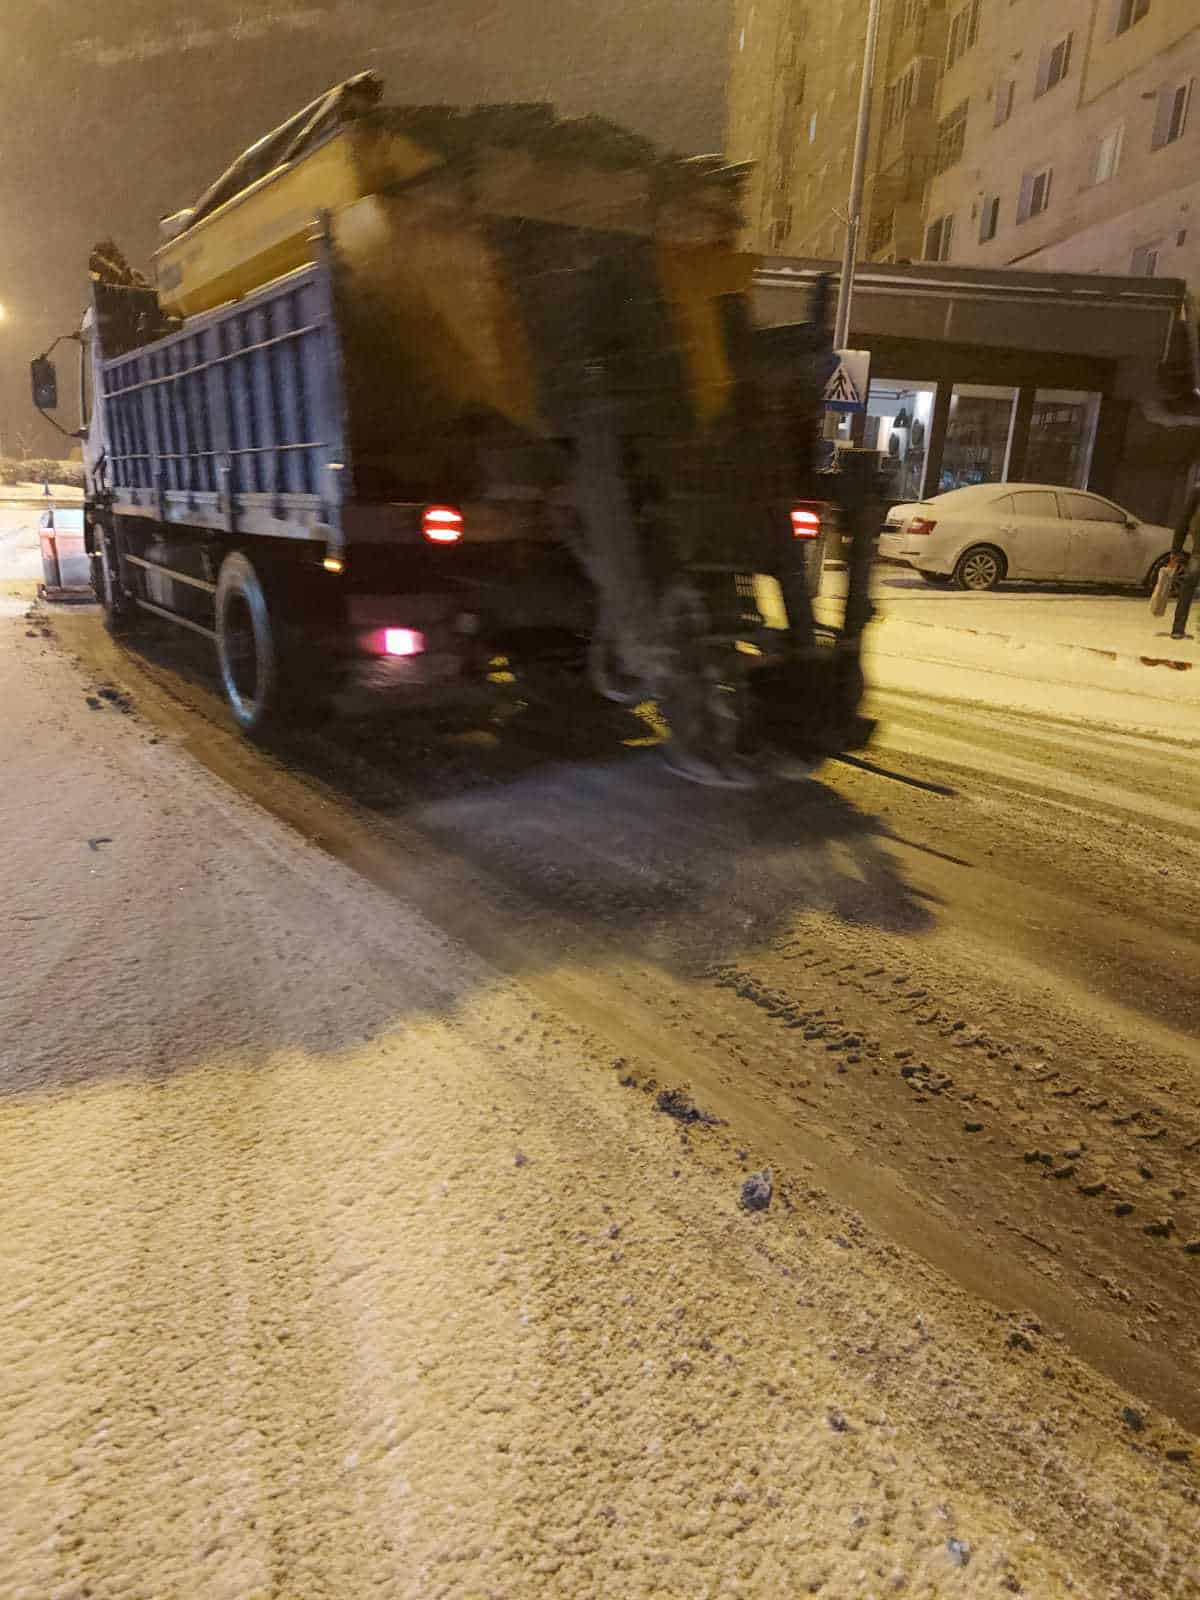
(235, 422)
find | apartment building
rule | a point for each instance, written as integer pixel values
(1061, 135)
(792, 107)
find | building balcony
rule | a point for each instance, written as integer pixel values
(880, 236)
(922, 30)
(902, 183)
(912, 135)
(908, 231)
(895, 233)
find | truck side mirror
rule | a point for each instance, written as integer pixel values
(44, 381)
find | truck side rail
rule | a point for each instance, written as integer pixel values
(234, 423)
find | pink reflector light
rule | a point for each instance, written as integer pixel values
(403, 642)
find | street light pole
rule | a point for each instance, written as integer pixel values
(841, 323)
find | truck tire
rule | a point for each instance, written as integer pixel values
(248, 652)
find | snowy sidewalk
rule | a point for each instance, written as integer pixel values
(31, 493)
(1097, 657)
(20, 550)
(1114, 623)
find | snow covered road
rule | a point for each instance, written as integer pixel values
(1093, 655)
(20, 553)
(347, 1251)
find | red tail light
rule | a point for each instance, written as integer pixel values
(922, 525)
(806, 523)
(442, 524)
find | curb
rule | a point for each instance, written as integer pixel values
(1172, 663)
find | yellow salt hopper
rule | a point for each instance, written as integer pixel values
(406, 195)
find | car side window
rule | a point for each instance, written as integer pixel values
(1086, 508)
(1035, 503)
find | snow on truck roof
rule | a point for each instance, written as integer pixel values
(454, 132)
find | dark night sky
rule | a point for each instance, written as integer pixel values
(118, 111)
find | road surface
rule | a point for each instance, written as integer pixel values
(350, 1252)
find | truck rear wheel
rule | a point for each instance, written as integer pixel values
(247, 646)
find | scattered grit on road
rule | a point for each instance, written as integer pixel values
(357, 1245)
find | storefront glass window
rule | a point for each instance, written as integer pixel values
(1062, 432)
(897, 426)
(977, 435)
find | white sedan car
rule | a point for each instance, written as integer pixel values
(978, 536)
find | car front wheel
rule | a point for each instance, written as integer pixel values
(980, 567)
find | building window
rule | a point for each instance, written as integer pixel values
(1108, 154)
(1145, 261)
(978, 430)
(952, 132)
(1062, 433)
(897, 99)
(989, 217)
(964, 30)
(1035, 193)
(1127, 12)
(939, 237)
(1170, 117)
(1054, 65)
(880, 236)
(1005, 90)
(781, 230)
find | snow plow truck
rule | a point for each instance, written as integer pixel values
(414, 385)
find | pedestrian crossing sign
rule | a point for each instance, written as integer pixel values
(847, 386)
